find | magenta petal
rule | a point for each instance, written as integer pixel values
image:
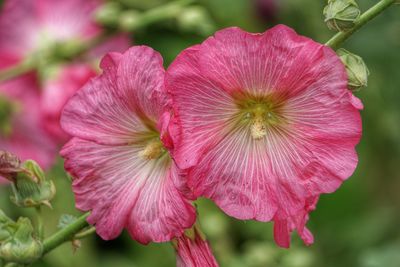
(199, 122)
(116, 112)
(17, 39)
(194, 251)
(124, 191)
(68, 19)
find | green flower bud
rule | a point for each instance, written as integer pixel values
(31, 188)
(108, 14)
(340, 15)
(6, 229)
(21, 247)
(129, 20)
(196, 19)
(356, 68)
(10, 165)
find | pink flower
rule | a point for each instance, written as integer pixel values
(68, 79)
(193, 250)
(43, 23)
(264, 123)
(20, 128)
(118, 156)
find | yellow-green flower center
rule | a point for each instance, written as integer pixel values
(154, 149)
(261, 113)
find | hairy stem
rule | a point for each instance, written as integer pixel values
(368, 15)
(39, 223)
(65, 234)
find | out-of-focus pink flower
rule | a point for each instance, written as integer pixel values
(68, 79)
(27, 26)
(20, 128)
(264, 123)
(57, 91)
(118, 156)
(193, 250)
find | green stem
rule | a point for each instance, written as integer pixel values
(65, 234)
(17, 70)
(368, 15)
(39, 221)
(160, 13)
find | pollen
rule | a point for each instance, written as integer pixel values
(153, 150)
(258, 128)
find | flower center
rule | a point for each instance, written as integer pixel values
(261, 114)
(153, 149)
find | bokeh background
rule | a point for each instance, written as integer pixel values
(356, 226)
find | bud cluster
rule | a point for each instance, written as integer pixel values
(17, 241)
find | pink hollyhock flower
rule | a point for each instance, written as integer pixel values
(20, 128)
(193, 250)
(119, 153)
(264, 123)
(43, 23)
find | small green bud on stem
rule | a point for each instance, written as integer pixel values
(356, 68)
(31, 188)
(340, 15)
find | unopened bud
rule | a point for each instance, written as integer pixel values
(31, 188)
(340, 15)
(129, 20)
(9, 165)
(5, 227)
(192, 249)
(22, 247)
(196, 19)
(108, 14)
(356, 68)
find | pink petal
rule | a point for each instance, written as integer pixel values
(119, 43)
(112, 112)
(283, 228)
(270, 178)
(198, 124)
(68, 19)
(125, 191)
(194, 251)
(17, 39)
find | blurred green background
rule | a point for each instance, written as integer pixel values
(356, 226)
